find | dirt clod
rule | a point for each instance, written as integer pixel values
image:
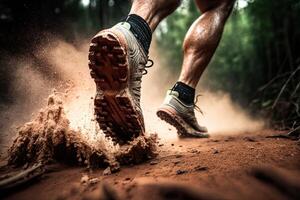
(200, 168)
(176, 161)
(181, 171)
(49, 137)
(84, 179)
(216, 151)
(153, 162)
(249, 139)
(107, 171)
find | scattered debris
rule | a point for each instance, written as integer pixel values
(228, 139)
(181, 171)
(195, 151)
(292, 135)
(278, 136)
(30, 174)
(94, 181)
(87, 181)
(153, 162)
(49, 137)
(200, 168)
(176, 161)
(139, 150)
(249, 139)
(84, 179)
(216, 151)
(107, 171)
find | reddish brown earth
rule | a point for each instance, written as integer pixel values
(221, 167)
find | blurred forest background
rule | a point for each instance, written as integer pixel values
(257, 62)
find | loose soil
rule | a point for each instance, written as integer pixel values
(239, 166)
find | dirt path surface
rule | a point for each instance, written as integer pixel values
(221, 167)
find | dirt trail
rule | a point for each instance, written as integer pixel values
(220, 165)
(227, 165)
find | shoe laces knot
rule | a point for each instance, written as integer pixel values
(147, 66)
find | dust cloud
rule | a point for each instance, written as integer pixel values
(29, 91)
(67, 121)
(220, 114)
(69, 65)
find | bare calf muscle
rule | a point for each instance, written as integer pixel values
(202, 38)
(199, 45)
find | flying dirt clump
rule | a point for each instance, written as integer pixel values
(49, 138)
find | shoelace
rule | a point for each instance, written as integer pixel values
(197, 107)
(147, 66)
(137, 89)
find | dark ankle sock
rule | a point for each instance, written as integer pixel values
(186, 93)
(141, 30)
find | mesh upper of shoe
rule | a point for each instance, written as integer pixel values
(137, 59)
(186, 112)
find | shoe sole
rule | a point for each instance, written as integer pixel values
(173, 119)
(109, 67)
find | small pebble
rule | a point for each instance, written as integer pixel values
(195, 151)
(107, 171)
(200, 168)
(94, 180)
(249, 139)
(84, 179)
(181, 171)
(176, 162)
(153, 162)
(216, 151)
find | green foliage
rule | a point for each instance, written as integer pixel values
(172, 30)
